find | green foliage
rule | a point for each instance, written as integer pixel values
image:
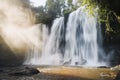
(69, 2)
(57, 8)
(90, 5)
(50, 11)
(41, 15)
(54, 7)
(70, 7)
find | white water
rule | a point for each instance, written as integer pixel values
(33, 55)
(51, 53)
(78, 43)
(82, 46)
(82, 37)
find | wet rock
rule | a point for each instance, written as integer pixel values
(117, 77)
(103, 67)
(116, 68)
(25, 72)
(113, 21)
(67, 62)
(115, 57)
(1, 71)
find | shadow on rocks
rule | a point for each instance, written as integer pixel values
(25, 72)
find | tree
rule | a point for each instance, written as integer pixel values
(46, 14)
(54, 7)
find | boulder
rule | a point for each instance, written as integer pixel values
(25, 72)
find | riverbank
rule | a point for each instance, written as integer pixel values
(56, 73)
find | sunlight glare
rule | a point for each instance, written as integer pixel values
(37, 3)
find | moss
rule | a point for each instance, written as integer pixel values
(108, 17)
(69, 10)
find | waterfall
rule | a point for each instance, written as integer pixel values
(79, 43)
(52, 53)
(82, 46)
(34, 52)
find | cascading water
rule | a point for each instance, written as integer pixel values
(81, 41)
(34, 52)
(52, 53)
(82, 46)
(78, 43)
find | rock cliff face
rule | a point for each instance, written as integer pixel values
(114, 5)
(111, 31)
